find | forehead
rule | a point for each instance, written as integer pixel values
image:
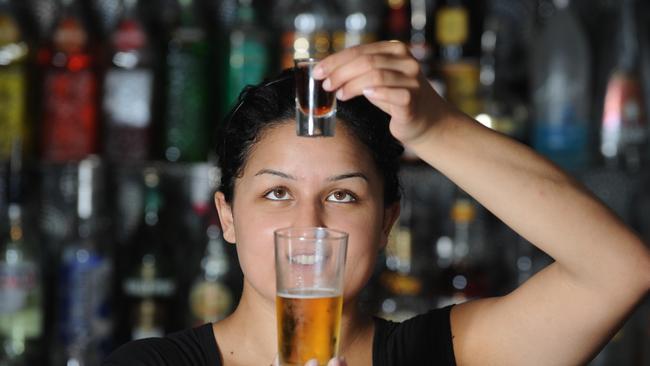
(280, 148)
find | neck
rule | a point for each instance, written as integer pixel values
(253, 326)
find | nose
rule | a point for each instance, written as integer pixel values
(309, 214)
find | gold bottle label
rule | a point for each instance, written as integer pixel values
(452, 25)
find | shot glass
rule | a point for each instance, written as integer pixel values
(309, 265)
(315, 107)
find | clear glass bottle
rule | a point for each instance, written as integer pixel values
(21, 307)
(560, 88)
(128, 90)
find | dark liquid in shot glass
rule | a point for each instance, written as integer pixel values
(323, 101)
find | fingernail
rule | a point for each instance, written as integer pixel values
(368, 92)
(312, 362)
(318, 72)
(339, 94)
(327, 84)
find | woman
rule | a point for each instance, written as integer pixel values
(271, 179)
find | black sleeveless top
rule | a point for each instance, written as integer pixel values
(423, 340)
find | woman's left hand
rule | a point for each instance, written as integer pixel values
(388, 76)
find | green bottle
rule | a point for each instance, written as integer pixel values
(248, 57)
(186, 135)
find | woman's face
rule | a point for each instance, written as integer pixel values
(297, 181)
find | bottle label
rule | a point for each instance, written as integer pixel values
(158, 287)
(624, 122)
(84, 318)
(462, 85)
(70, 121)
(452, 26)
(20, 300)
(127, 101)
(564, 143)
(9, 31)
(12, 107)
(210, 301)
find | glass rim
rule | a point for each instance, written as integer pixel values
(296, 232)
(310, 60)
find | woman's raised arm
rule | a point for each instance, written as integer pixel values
(564, 314)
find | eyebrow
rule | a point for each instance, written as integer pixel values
(331, 179)
(276, 173)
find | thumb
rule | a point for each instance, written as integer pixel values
(338, 361)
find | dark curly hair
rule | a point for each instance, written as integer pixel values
(272, 102)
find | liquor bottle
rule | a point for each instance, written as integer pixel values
(248, 60)
(397, 24)
(84, 313)
(403, 287)
(21, 308)
(419, 44)
(211, 298)
(624, 130)
(500, 110)
(458, 67)
(462, 256)
(128, 90)
(69, 90)
(149, 285)
(186, 135)
(13, 80)
(560, 82)
(355, 25)
(306, 29)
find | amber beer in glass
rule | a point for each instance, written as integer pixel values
(309, 280)
(315, 107)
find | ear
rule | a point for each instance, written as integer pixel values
(391, 214)
(225, 217)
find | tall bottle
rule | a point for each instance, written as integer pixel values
(403, 287)
(249, 54)
(624, 130)
(560, 82)
(21, 308)
(13, 80)
(186, 134)
(306, 29)
(84, 313)
(128, 90)
(69, 119)
(356, 24)
(461, 255)
(149, 284)
(500, 109)
(458, 67)
(397, 26)
(211, 298)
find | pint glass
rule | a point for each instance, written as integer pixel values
(309, 265)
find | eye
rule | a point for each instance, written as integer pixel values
(341, 197)
(277, 194)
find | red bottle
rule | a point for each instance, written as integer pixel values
(70, 120)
